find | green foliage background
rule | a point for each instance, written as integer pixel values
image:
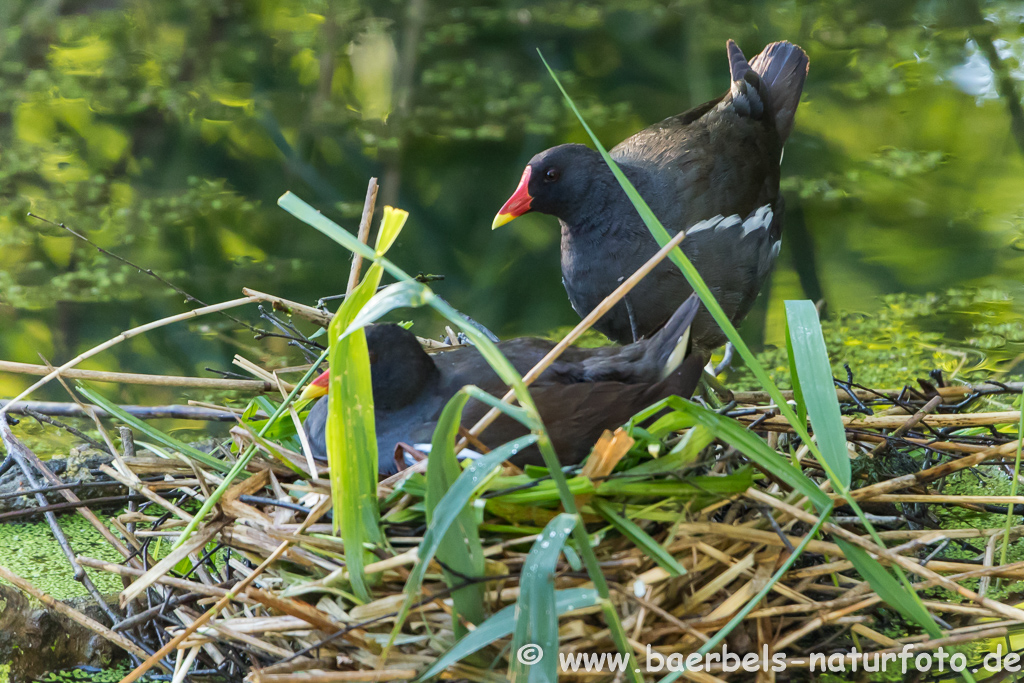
(165, 130)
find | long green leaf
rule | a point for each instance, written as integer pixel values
(889, 589)
(816, 388)
(537, 618)
(153, 433)
(501, 624)
(748, 443)
(351, 431)
(460, 548)
(403, 294)
(452, 504)
(640, 538)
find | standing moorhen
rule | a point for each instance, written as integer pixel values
(583, 393)
(719, 158)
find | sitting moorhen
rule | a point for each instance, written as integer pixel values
(583, 393)
(719, 158)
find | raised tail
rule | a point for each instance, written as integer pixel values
(670, 345)
(783, 68)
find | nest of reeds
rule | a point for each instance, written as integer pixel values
(697, 530)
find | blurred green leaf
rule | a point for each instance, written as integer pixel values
(502, 623)
(537, 616)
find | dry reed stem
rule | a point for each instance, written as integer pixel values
(942, 421)
(141, 379)
(905, 563)
(364, 234)
(213, 611)
(124, 336)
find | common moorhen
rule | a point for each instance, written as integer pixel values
(719, 158)
(583, 393)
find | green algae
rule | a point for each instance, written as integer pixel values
(111, 674)
(29, 550)
(908, 337)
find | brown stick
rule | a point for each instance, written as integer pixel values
(336, 676)
(172, 412)
(240, 587)
(173, 582)
(137, 378)
(313, 315)
(364, 234)
(843, 395)
(896, 421)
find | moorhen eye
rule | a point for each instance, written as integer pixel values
(551, 175)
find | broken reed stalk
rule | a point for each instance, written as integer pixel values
(363, 235)
(124, 336)
(141, 379)
(551, 356)
(956, 390)
(308, 313)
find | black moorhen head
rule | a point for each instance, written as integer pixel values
(719, 159)
(583, 393)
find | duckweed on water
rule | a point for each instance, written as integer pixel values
(962, 332)
(30, 551)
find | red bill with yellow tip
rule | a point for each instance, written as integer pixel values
(517, 204)
(316, 388)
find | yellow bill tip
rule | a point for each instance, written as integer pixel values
(501, 219)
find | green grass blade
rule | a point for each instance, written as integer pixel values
(238, 469)
(153, 433)
(460, 547)
(817, 389)
(639, 537)
(751, 445)
(391, 225)
(536, 618)
(794, 373)
(889, 589)
(814, 377)
(454, 501)
(501, 624)
(518, 414)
